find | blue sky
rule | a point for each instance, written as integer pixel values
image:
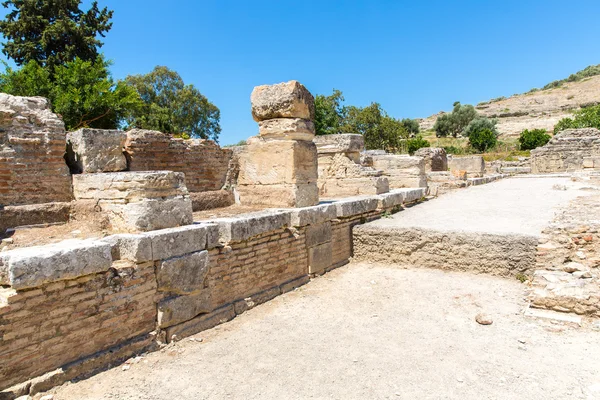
(414, 57)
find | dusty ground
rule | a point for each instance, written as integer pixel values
(370, 332)
(222, 212)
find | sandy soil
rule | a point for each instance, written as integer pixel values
(370, 332)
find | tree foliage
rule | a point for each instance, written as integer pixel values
(416, 144)
(479, 124)
(171, 106)
(53, 32)
(329, 113)
(483, 140)
(453, 123)
(588, 117)
(411, 125)
(531, 139)
(82, 92)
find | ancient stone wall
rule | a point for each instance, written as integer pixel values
(32, 146)
(569, 150)
(402, 171)
(127, 291)
(435, 158)
(474, 166)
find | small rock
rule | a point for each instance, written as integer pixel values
(588, 238)
(47, 397)
(126, 367)
(76, 232)
(573, 267)
(522, 341)
(581, 255)
(484, 319)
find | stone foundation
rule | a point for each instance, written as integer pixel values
(435, 158)
(474, 166)
(569, 150)
(402, 171)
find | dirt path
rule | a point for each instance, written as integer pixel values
(370, 332)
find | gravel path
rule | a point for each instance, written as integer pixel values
(513, 205)
(370, 332)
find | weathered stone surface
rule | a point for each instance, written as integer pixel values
(569, 150)
(402, 170)
(435, 158)
(283, 100)
(13, 216)
(313, 215)
(129, 186)
(32, 144)
(342, 143)
(136, 248)
(287, 129)
(201, 323)
(356, 206)
(337, 188)
(211, 199)
(183, 274)
(250, 302)
(278, 162)
(293, 284)
(484, 319)
(173, 242)
(96, 150)
(474, 165)
(246, 226)
(281, 195)
(151, 214)
(318, 234)
(319, 258)
(33, 266)
(175, 310)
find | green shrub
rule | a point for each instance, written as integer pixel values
(588, 117)
(411, 125)
(482, 140)
(452, 124)
(453, 150)
(530, 139)
(415, 144)
(480, 124)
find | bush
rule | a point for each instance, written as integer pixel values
(482, 140)
(453, 150)
(480, 124)
(411, 125)
(452, 124)
(585, 118)
(530, 139)
(416, 144)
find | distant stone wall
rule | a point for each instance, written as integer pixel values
(569, 150)
(204, 162)
(32, 146)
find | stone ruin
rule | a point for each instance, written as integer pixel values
(341, 173)
(570, 150)
(402, 171)
(435, 158)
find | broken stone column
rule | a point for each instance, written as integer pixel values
(138, 201)
(278, 168)
(96, 150)
(341, 170)
(435, 158)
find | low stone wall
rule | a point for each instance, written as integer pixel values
(130, 291)
(474, 166)
(569, 150)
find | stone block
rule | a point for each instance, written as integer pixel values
(246, 226)
(183, 274)
(313, 215)
(136, 248)
(390, 200)
(175, 310)
(287, 129)
(129, 186)
(435, 158)
(474, 165)
(318, 234)
(96, 150)
(588, 163)
(284, 100)
(351, 207)
(411, 181)
(212, 199)
(14, 216)
(201, 323)
(282, 195)
(173, 242)
(250, 302)
(151, 214)
(336, 188)
(34, 266)
(342, 143)
(270, 162)
(393, 164)
(319, 258)
(294, 284)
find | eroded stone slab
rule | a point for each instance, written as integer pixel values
(287, 129)
(183, 274)
(96, 150)
(283, 100)
(175, 310)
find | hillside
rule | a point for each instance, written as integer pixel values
(538, 109)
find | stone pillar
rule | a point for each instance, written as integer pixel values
(278, 168)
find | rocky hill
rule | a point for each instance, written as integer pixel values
(536, 109)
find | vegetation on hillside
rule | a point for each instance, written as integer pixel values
(454, 123)
(531, 139)
(588, 117)
(587, 72)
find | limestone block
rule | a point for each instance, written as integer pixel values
(318, 234)
(136, 248)
(283, 100)
(336, 188)
(129, 185)
(313, 215)
(250, 302)
(246, 226)
(201, 323)
(474, 165)
(411, 195)
(342, 143)
(320, 258)
(435, 158)
(150, 214)
(96, 150)
(287, 128)
(588, 163)
(278, 162)
(33, 266)
(173, 242)
(393, 164)
(356, 206)
(175, 310)
(414, 181)
(282, 195)
(211, 199)
(392, 199)
(183, 274)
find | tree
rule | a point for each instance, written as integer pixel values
(483, 140)
(171, 106)
(453, 123)
(82, 92)
(588, 117)
(416, 144)
(411, 125)
(52, 32)
(329, 113)
(531, 139)
(479, 124)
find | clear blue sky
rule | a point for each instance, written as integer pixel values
(414, 57)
